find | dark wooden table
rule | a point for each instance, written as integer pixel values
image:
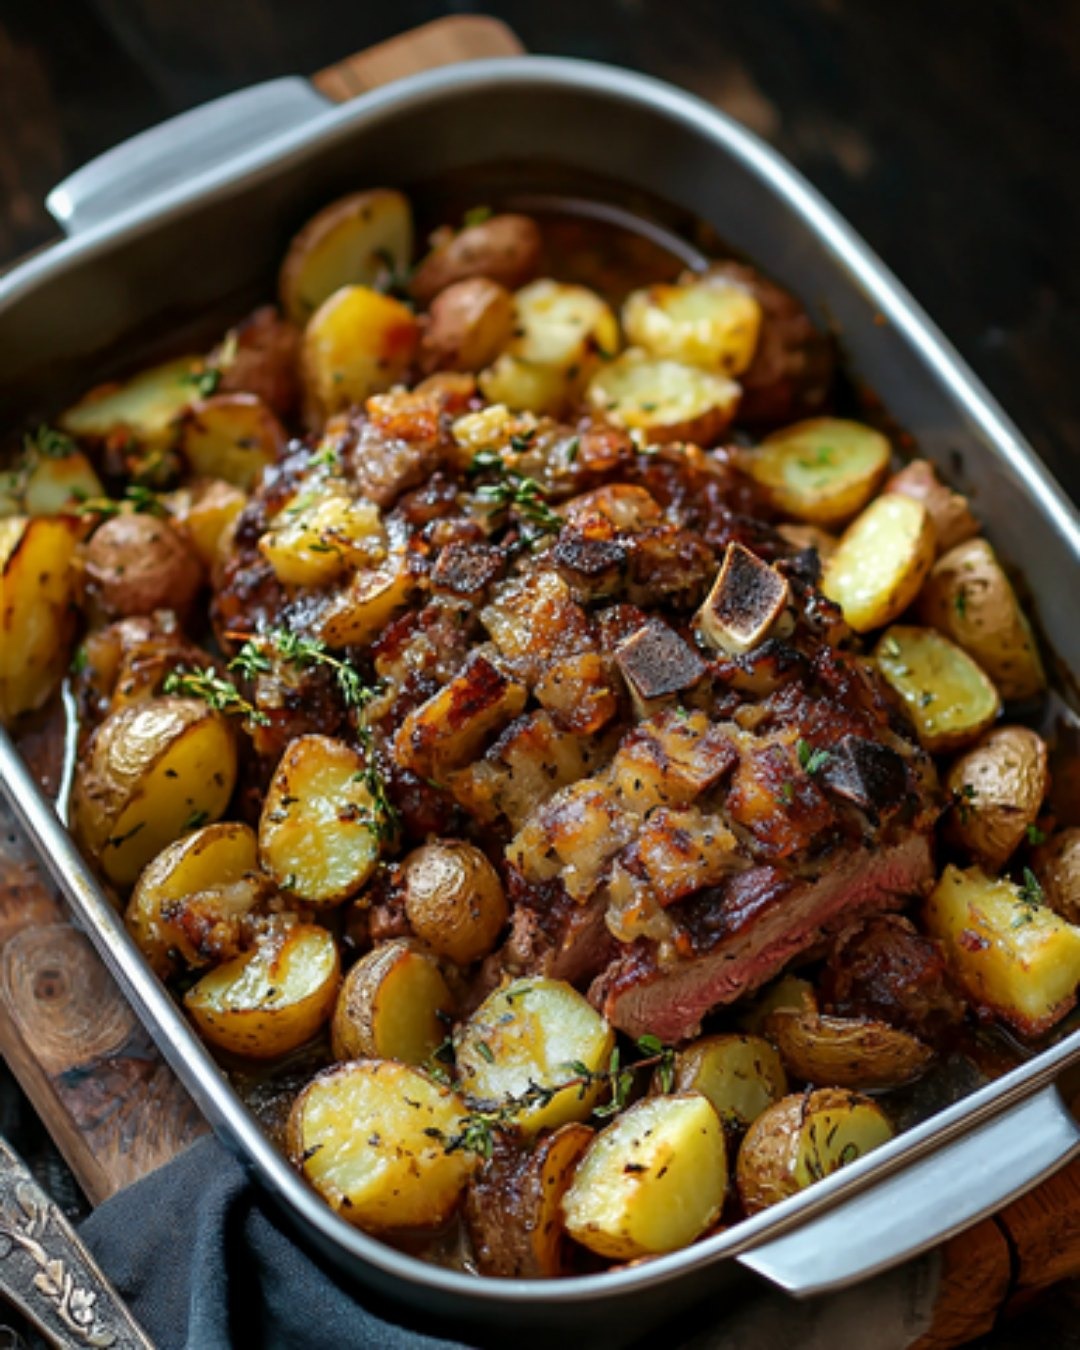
(945, 130)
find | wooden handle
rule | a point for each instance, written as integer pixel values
(462, 37)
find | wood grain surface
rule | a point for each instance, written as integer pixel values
(961, 178)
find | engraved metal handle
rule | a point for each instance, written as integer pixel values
(47, 1273)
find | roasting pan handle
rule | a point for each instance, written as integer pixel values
(925, 1203)
(176, 151)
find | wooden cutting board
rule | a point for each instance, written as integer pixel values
(116, 1111)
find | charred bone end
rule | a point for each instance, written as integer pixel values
(745, 603)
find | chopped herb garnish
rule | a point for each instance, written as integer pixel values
(1035, 835)
(79, 661)
(141, 500)
(196, 820)
(476, 215)
(49, 443)
(811, 760)
(513, 491)
(1031, 892)
(960, 602)
(204, 381)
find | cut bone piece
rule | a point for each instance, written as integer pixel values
(657, 665)
(746, 600)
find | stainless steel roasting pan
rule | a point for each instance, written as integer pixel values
(189, 221)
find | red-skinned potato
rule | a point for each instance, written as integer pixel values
(502, 248)
(950, 512)
(135, 564)
(468, 325)
(997, 788)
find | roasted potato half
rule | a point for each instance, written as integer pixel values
(513, 1206)
(319, 833)
(822, 471)
(652, 1181)
(997, 789)
(394, 1004)
(845, 1052)
(454, 899)
(396, 1171)
(665, 400)
(151, 772)
(1057, 865)
(710, 321)
(1010, 952)
(47, 484)
(881, 561)
(357, 343)
(533, 1031)
(949, 698)
(950, 512)
(204, 513)
(504, 248)
(740, 1075)
(37, 624)
(271, 999)
(364, 239)
(136, 564)
(143, 408)
(969, 598)
(313, 539)
(230, 436)
(191, 901)
(802, 1139)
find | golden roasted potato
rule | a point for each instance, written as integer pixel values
(802, 1139)
(561, 332)
(823, 471)
(710, 321)
(997, 788)
(319, 834)
(357, 343)
(969, 598)
(313, 539)
(740, 1075)
(136, 564)
(204, 513)
(652, 1181)
(396, 1171)
(1056, 863)
(363, 239)
(230, 436)
(502, 248)
(881, 562)
(143, 409)
(513, 1206)
(949, 698)
(1010, 952)
(37, 583)
(394, 1004)
(665, 400)
(47, 482)
(788, 992)
(468, 325)
(152, 771)
(531, 1032)
(271, 999)
(950, 512)
(454, 899)
(191, 901)
(844, 1052)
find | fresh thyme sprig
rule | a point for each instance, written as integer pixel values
(254, 659)
(141, 500)
(216, 691)
(514, 491)
(1031, 891)
(479, 1126)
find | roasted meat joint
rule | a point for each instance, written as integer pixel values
(577, 774)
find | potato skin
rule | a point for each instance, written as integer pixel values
(504, 248)
(1057, 865)
(950, 512)
(968, 597)
(513, 1205)
(997, 788)
(845, 1052)
(37, 581)
(468, 325)
(949, 697)
(135, 564)
(881, 562)
(454, 899)
(265, 361)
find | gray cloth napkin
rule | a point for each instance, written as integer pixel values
(205, 1266)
